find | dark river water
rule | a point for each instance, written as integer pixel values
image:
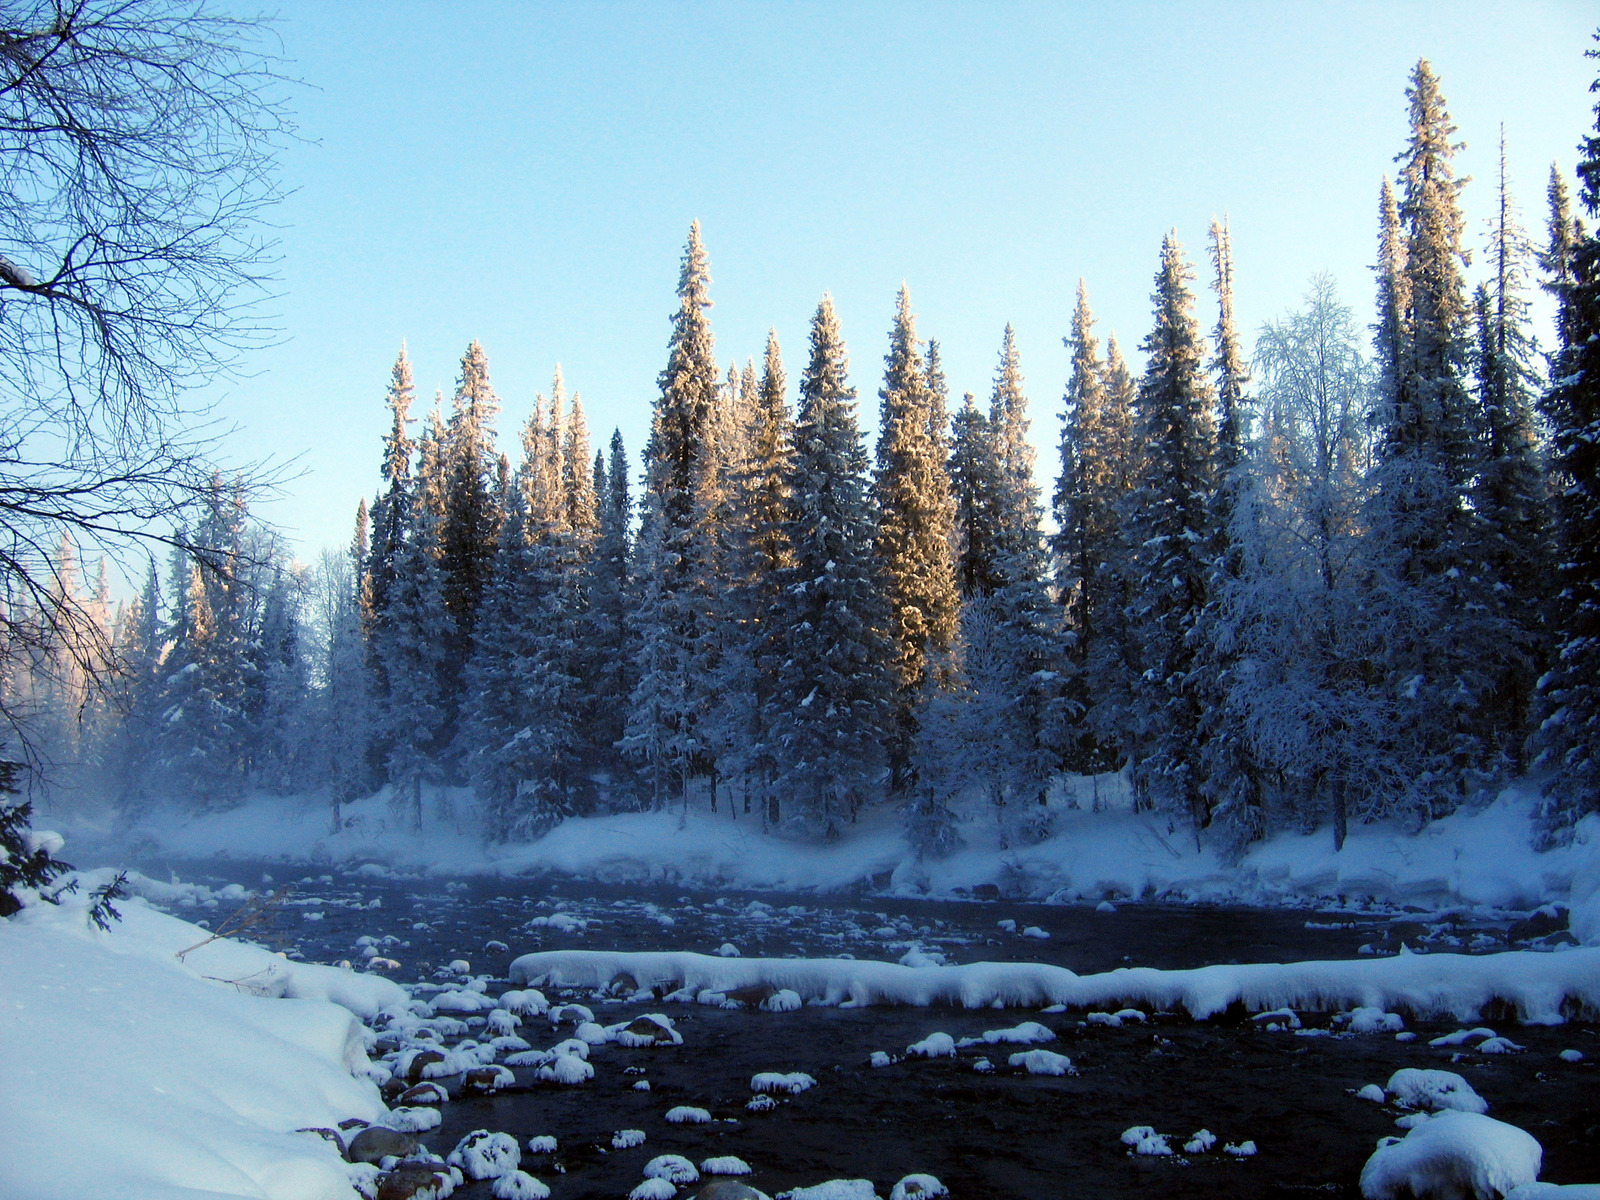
(984, 1134)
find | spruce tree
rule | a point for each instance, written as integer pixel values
(607, 637)
(1512, 529)
(1171, 527)
(469, 527)
(1092, 548)
(915, 517)
(1569, 735)
(676, 545)
(975, 487)
(831, 705)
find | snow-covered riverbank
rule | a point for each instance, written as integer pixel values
(1483, 858)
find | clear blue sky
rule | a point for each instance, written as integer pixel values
(525, 174)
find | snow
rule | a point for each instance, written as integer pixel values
(1143, 1139)
(654, 1189)
(519, 1185)
(1571, 1056)
(880, 1058)
(919, 1187)
(198, 1084)
(623, 1139)
(1201, 1143)
(687, 1114)
(545, 1144)
(674, 1168)
(1042, 1062)
(1415, 1087)
(726, 1164)
(773, 1081)
(485, 1155)
(1026, 1034)
(566, 1069)
(935, 1045)
(1477, 856)
(834, 1189)
(1242, 1150)
(1455, 1154)
(1535, 985)
(1373, 1093)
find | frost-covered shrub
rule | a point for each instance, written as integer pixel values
(27, 857)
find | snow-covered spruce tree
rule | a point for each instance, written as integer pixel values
(389, 514)
(915, 519)
(27, 858)
(348, 713)
(975, 487)
(1092, 550)
(676, 547)
(831, 706)
(1231, 781)
(607, 638)
(415, 654)
(1569, 736)
(1031, 633)
(469, 528)
(1511, 533)
(757, 555)
(284, 761)
(1292, 620)
(135, 752)
(1439, 647)
(1170, 516)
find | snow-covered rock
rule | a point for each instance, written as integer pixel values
(726, 1164)
(674, 1168)
(935, 1045)
(627, 1139)
(485, 1155)
(1042, 1062)
(687, 1114)
(1453, 1156)
(1143, 1139)
(918, 1187)
(519, 1185)
(794, 1082)
(1434, 1091)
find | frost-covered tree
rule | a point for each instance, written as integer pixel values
(1292, 621)
(607, 637)
(1170, 514)
(830, 709)
(975, 488)
(1424, 581)
(1092, 550)
(469, 525)
(676, 546)
(1511, 536)
(915, 518)
(1569, 735)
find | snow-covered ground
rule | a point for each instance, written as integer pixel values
(130, 1073)
(1483, 857)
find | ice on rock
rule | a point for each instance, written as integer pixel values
(519, 1185)
(1008, 925)
(1372, 1092)
(1277, 1019)
(983, 1066)
(576, 1047)
(1143, 1139)
(460, 966)
(1105, 906)
(462, 1001)
(727, 1164)
(688, 1114)
(834, 1189)
(1498, 1045)
(1033, 931)
(545, 1144)
(935, 1045)
(919, 1187)
(1454, 1156)
(565, 1069)
(642, 1085)
(576, 1013)
(782, 1000)
(760, 1104)
(502, 1022)
(1241, 1150)
(485, 1155)
(1555, 1191)
(651, 1029)
(674, 1168)
(1416, 1087)
(591, 1032)
(1201, 1142)
(881, 1058)
(1042, 1062)
(1571, 1056)
(654, 1189)
(1412, 1120)
(625, 1139)
(775, 1081)
(728, 950)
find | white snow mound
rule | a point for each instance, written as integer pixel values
(1434, 1091)
(1454, 1156)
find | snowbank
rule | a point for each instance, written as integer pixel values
(130, 1074)
(1542, 989)
(1482, 857)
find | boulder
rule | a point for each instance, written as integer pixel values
(416, 1181)
(376, 1142)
